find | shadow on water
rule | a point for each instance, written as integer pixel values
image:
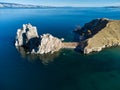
(76, 37)
(45, 58)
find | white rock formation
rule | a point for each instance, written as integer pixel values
(49, 44)
(25, 34)
(28, 38)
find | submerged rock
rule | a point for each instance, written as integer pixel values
(45, 58)
(99, 34)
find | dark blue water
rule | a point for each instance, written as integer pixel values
(65, 70)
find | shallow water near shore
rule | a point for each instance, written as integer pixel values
(66, 69)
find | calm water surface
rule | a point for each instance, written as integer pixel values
(67, 69)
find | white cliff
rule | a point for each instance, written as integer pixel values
(25, 34)
(28, 38)
(49, 44)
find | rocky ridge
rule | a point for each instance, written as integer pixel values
(99, 34)
(17, 5)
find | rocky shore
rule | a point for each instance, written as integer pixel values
(99, 34)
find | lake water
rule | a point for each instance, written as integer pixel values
(66, 69)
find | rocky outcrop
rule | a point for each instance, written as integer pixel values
(49, 44)
(28, 38)
(99, 34)
(25, 34)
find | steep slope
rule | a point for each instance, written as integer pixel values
(99, 34)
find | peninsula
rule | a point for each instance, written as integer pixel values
(98, 34)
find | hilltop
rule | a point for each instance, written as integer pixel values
(98, 34)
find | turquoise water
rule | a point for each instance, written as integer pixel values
(66, 69)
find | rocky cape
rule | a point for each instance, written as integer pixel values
(98, 34)
(93, 37)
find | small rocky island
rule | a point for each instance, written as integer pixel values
(28, 38)
(93, 36)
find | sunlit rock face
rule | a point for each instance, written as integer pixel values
(49, 44)
(25, 34)
(28, 38)
(99, 34)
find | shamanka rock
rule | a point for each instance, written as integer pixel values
(28, 38)
(25, 34)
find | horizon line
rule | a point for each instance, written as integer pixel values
(74, 5)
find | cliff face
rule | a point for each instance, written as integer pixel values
(25, 34)
(49, 44)
(28, 38)
(99, 34)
